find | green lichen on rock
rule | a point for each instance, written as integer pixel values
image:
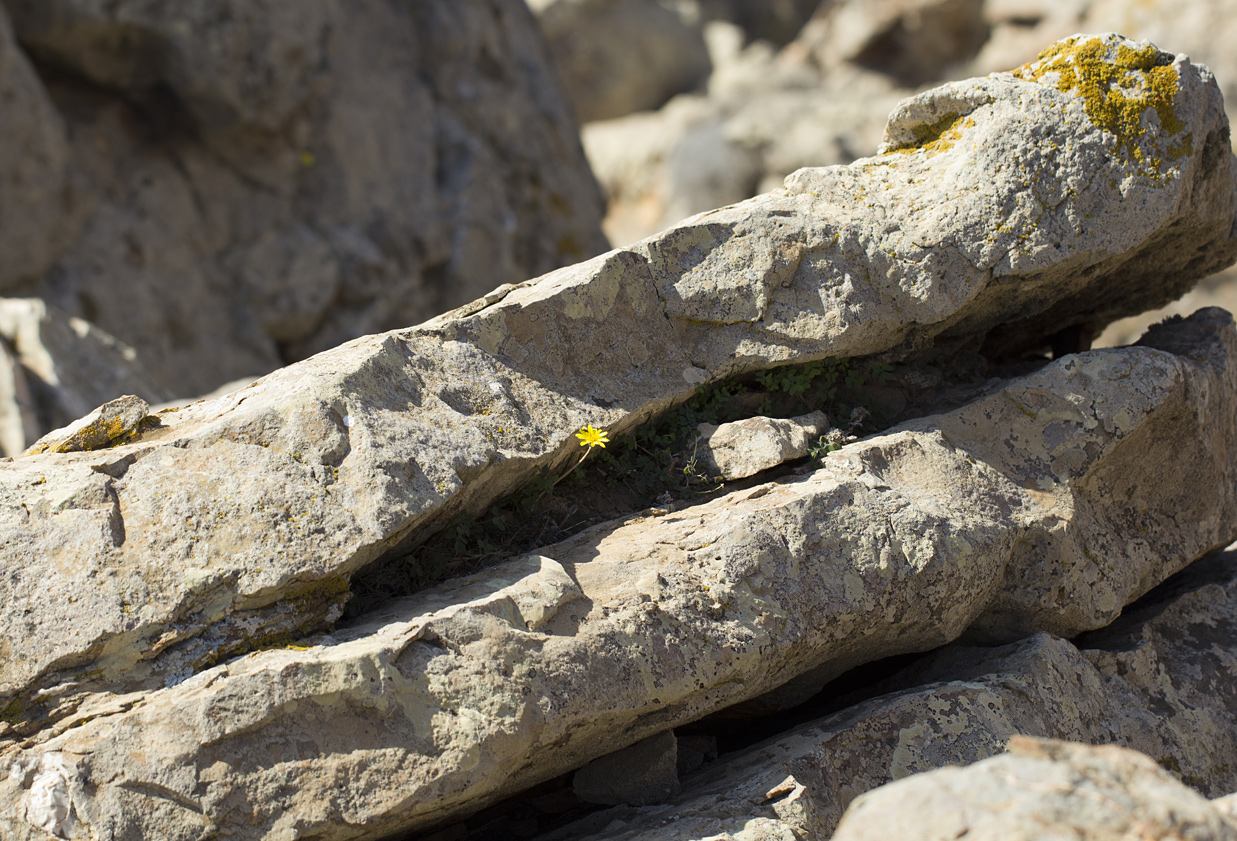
(1118, 85)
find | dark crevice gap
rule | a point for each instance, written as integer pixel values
(551, 805)
(658, 466)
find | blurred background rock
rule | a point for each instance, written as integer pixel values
(225, 186)
(792, 84)
(202, 191)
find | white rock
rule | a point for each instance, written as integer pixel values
(744, 448)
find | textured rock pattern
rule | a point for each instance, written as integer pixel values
(299, 174)
(823, 98)
(236, 522)
(1158, 681)
(1039, 789)
(980, 518)
(112, 423)
(1204, 29)
(744, 448)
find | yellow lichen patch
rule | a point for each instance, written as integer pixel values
(115, 422)
(317, 598)
(1118, 87)
(936, 137)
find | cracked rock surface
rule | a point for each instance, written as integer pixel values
(1156, 681)
(236, 522)
(983, 518)
(1003, 210)
(1040, 787)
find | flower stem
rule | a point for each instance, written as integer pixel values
(573, 467)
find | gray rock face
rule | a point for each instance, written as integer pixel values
(1157, 681)
(978, 519)
(112, 423)
(744, 448)
(777, 21)
(1019, 30)
(17, 420)
(761, 121)
(234, 525)
(64, 368)
(620, 56)
(1040, 789)
(822, 99)
(913, 41)
(240, 520)
(34, 153)
(299, 175)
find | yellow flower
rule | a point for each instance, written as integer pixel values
(590, 436)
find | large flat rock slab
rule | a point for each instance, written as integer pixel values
(1001, 206)
(1159, 680)
(1026, 510)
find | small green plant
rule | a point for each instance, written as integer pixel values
(827, 443)
(792, 379)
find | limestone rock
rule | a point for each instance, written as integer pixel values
(238, 522)
(744, 448)
(776, 21)
(1226, 806)
(936, 120)
(1041, 788)
(18, 425)
(620, 58)
(1203, 29)
(978, 519)
(299, 174)
(223, 391)
(34, 152)
(617, 57)
(822, 99)
(1158, 681)
(67, 367)
(760, 122)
